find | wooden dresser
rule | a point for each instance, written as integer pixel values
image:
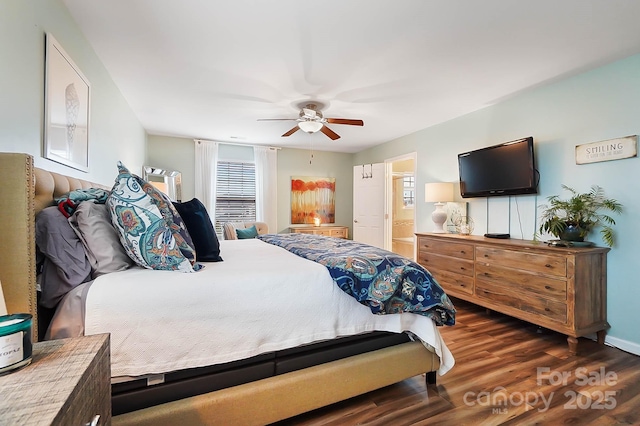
(67, 383)
(329, 231)
(559, 288)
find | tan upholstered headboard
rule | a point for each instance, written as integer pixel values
(25, 191)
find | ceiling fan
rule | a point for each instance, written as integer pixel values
(311, 120)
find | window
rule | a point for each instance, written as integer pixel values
(408, 194)
(235, 194)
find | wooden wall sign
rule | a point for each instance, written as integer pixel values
(612, 149)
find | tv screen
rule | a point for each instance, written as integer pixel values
(505, 169)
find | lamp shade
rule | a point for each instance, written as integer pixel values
(310, 126)
(438, 192)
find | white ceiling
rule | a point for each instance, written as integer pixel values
(209, 69)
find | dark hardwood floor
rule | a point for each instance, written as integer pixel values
(507, 372)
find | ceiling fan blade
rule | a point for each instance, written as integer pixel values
(345, 121)
(292, 131)
(327, 131)
(277, 119)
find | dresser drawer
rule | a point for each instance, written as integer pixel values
(446, 248)
(451, 282)
(444, 263)
(303, 230)
(339, 233)
(527, 261)
(525, 282)
(509, 295)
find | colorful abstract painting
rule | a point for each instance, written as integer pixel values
(311, 198)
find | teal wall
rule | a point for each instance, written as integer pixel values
(115, 133)
(179, 154)
(172, 153)
(597, 105)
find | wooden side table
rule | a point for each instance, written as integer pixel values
(67, 383)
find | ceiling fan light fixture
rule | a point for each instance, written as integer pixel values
(310, 126)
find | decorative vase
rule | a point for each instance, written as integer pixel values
(464, 225)
(572, 233)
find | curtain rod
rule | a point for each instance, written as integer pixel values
(239, 144)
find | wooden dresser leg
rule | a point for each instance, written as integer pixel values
(601, 335)
(431, 378)
(573, 345)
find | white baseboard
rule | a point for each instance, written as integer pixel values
(625, 345)
(622, 344)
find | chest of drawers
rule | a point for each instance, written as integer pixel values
(559, 288)
(328, 231)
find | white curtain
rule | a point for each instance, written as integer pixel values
(266, 160)
(206, 169)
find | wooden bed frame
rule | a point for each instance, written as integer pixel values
(26, 190)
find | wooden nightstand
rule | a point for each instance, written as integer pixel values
(67, 383)
(329, 231)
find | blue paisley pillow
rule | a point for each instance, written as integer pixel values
(148, 225)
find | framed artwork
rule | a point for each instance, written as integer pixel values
(67, 95)
(454, 211)
(313, 200)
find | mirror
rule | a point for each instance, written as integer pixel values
(167, 181)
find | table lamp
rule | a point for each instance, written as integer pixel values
(438, 193)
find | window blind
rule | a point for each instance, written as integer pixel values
(235, 194)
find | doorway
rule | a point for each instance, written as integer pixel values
(400, 205)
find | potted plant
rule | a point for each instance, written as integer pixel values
(573, 219)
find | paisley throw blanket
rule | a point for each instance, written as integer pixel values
(384, 281)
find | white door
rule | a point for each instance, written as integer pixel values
(368, 204)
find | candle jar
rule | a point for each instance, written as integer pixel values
(316, 221)
(15, 342)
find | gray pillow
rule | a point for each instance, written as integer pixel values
(66, 264)
(92, 224)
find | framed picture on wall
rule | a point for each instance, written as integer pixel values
(67, 96)
(313, 200)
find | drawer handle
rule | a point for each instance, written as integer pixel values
(547, 309)
(95, 421)
(548, 287)
(486, 255)
(547, 265)
(462, 252)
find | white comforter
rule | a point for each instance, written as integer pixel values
(261, 298)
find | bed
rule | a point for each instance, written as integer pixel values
(279, 381)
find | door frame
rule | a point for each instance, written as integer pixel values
(388, 197)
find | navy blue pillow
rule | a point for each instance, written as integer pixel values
(195, 217)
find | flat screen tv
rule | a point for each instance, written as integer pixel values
(505, 169)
